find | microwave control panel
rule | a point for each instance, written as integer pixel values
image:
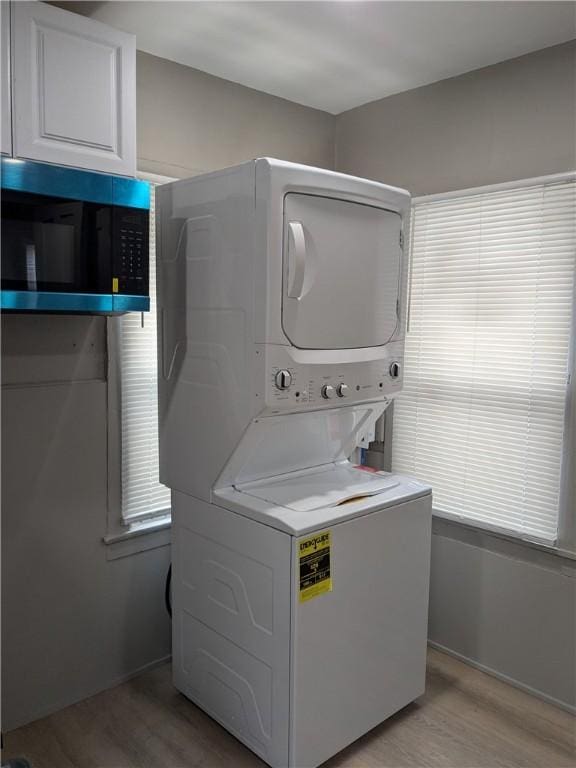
(130, 273)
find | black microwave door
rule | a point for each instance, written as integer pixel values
(55, 245)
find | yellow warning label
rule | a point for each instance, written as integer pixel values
(315, 573)
(114, 285)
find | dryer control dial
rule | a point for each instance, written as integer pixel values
(283, 379)
(327, 391)
(342, 390)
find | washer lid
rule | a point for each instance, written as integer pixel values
(317, 488)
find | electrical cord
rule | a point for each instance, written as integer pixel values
(168, 591)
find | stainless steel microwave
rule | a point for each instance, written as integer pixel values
(72, 240)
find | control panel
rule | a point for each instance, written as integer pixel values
(292, 385)
(131, 254)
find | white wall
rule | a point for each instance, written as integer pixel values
(74, 622)
(502, 605)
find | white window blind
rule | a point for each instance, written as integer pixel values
(142, 494)
(481, 416)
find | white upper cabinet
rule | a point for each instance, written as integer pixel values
(74, 85)
(342, 265)
(6, 126)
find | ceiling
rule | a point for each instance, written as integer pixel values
(337, 55)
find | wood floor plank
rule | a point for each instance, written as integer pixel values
(466, 719)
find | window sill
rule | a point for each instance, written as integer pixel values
(139, 537)
(506, 544)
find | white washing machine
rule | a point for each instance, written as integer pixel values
(300, 581)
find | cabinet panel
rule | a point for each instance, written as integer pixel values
(6, 126)
(75, 90)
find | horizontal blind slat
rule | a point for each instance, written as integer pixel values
(481, 415)
(142, 493)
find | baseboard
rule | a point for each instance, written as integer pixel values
(44, 712)
(504, 678)
(63, 704)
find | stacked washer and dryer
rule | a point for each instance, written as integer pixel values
(300, 580)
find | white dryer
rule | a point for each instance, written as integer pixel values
(300, 581)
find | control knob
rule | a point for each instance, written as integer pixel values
(283, 379)
(327, 391)
(343, 390)
(394, 370)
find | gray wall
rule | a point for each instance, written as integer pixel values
(508, 608)
(504, 606)
(190, 122)
(510, 121)
(74, 622)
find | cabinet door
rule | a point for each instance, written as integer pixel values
(6, 126)
(341, 273)
(74, 90)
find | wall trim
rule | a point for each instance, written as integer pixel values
(139, 538)
(501, 186)
(504, 678)
(469, 533)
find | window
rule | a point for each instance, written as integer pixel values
(142, 494)
(482, 414)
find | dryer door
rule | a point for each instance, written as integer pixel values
(341, 273)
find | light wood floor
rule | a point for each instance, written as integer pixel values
(465, 720)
